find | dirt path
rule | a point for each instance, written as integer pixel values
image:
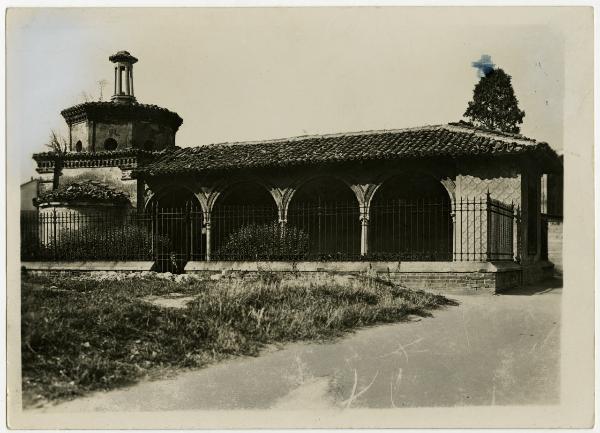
(489, 350)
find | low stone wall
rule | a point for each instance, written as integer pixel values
(57, 268)
(443, 277)
(461, 282)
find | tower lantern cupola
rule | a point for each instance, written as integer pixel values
(123, 77)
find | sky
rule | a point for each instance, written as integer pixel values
(237, 74)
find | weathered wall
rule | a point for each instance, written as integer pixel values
(29, 191)
(536, 272)
(79, 132)
(460, 282)
(473, 182)
(502, 181)
(127, 134)
(161, 136)
(531, 217)
(122, 132)
(46, 180)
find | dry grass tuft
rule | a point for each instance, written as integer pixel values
(82, 334)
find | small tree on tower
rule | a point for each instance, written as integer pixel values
(494, 105)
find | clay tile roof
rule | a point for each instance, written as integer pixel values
(96, 110)
(451, 140)
(87, 191)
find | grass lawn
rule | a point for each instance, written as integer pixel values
(81, 334)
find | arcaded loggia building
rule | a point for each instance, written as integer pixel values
(431, 207)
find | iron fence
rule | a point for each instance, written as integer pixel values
(424, 230)
(501, 231)
(333, 230)
(411, 230)
(244, 232)
(72, 235)
(178, 235)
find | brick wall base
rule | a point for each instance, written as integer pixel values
(443, 277)
(460, 282)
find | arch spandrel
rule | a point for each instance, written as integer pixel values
(156, 193)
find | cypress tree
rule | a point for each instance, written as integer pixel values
(494, 105)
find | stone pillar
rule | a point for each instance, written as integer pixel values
(131, 79)
(208, 237)
(119, 84)
(282, 214)
(127, 88)
(115, 81)
(140, 199)
(364, 231)
(517, 235)
(453, 216)
(46, 180)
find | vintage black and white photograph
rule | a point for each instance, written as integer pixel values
(300, 211)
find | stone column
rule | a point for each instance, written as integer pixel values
(46, 180)
(115, 81)
(140, 199)
(453, 240)
(364, 231)
(517, 235)
(282, 214)
(119, 83)
(131, 79)
(208, 238)
(127, 88)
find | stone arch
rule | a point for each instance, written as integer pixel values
(240, 209)
(410, 218)
(78, 146)
(448, 184)
(287, 194)
(165, 189)
(177, 220)
(327, 209)
(220, 188)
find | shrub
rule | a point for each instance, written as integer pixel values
(116, 242)
(268, 241)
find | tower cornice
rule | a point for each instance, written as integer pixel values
(109, 111)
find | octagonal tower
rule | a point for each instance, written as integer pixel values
(122, 123)
(108, 139)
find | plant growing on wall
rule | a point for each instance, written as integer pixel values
(88, 191)
(494, 105)
(57, 144)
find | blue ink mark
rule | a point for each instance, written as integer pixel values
(484, 65)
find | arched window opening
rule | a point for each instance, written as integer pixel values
(177, 226)
(245, 225)
(326, 210)
(110, 144)
(410, 220)
(78, 146)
